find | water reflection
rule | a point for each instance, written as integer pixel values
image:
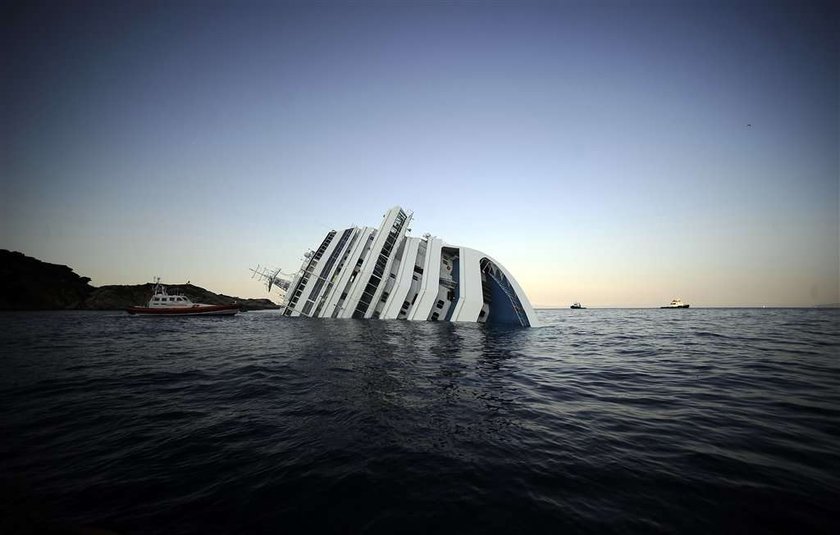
(421, 386)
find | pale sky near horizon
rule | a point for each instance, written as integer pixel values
(613, 153)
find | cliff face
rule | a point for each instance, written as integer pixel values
(27, 283)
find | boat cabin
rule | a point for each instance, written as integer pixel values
(170, 300)
(162, 299)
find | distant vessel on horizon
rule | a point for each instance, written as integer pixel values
(577, 305)
(676, 303)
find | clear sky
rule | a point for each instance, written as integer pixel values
(614, 153)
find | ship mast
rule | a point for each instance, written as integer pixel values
(271, 277)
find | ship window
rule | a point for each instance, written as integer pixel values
(393, 276)
(440, 303)
(418, 269)
(435, 316)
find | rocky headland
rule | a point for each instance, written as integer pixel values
(27, 283)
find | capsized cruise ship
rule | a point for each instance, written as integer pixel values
(384, 273)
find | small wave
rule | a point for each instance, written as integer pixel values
(610, 421)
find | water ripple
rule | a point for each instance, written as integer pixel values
(602, 421)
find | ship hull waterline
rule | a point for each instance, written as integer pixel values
(209, 310)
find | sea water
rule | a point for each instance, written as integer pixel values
(630, 421)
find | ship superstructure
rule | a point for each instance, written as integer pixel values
(366, 272)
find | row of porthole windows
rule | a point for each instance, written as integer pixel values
(316, 289)
(379, 268)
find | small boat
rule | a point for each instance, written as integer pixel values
(577, 305)
(163, 304)
(676, 303)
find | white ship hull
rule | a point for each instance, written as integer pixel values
(383, 273)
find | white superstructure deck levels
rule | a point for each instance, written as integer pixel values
(363, 272)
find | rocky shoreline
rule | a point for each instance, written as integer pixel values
(27, 283)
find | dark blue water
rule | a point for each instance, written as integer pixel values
(630, 421)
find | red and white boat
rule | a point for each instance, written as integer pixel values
(163, 304)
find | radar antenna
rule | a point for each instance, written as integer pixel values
(271, 277)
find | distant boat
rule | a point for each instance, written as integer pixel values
(676, 303)
(163, 304)
(577, 305)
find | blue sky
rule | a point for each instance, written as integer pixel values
(599, 150)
